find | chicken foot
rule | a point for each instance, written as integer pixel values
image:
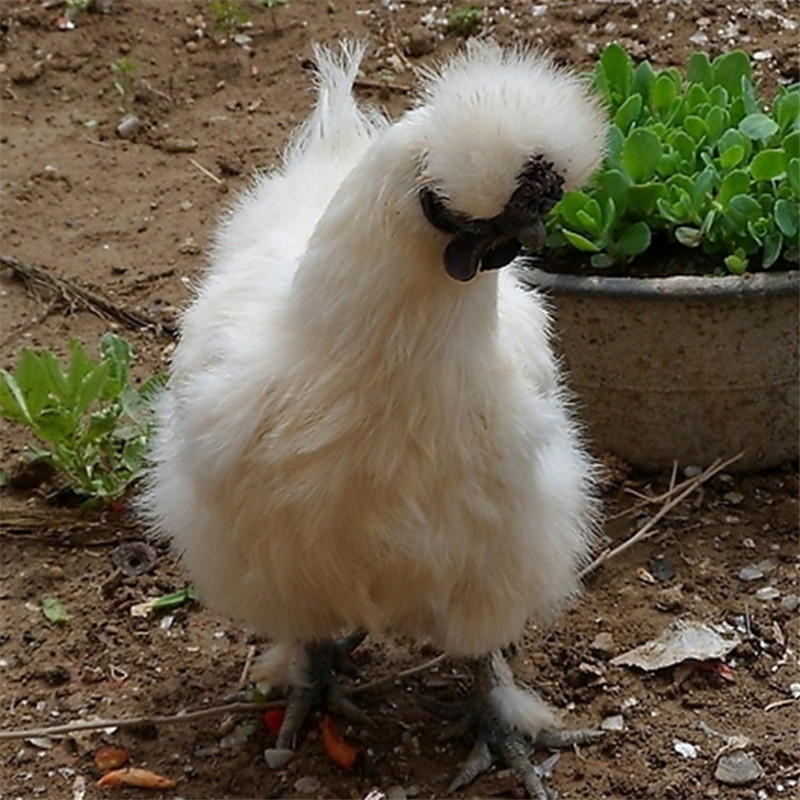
(320, 688)
(508, 725)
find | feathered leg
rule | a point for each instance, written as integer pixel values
(508, 725)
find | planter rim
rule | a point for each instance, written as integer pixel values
(671, 287)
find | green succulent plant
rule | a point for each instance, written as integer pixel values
(697, 159)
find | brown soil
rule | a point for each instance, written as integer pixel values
(130, 219)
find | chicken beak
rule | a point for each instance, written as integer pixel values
(533, 235)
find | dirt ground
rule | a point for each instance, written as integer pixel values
(130, 218)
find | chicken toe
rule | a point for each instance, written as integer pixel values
(508, 725)
(320, 688)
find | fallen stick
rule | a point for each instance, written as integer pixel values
(193, 716)
(71, 292)
(689, 485)
(132, 722)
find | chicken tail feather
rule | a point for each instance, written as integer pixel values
(337, 121)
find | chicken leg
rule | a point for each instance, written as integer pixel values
(325, 659)
(508, 724)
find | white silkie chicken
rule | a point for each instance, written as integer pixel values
(364, 426)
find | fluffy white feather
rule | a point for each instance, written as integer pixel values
(351, 438)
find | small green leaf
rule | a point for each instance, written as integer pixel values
(699, 70)
(615, 140)
(32, 379)
(786, 108)
(663, 94)
(589, 223)
(643, 196)
(643, 78)
(91, 386)
(628, 112)
(773, 242)
(635, 240)
(80, 366)
(641, 154)
(602, 260)
(730, 68)
(615, 184)
(570, 204)
(743, 208)
(55, 425)
(793, 172)
(718, 96)
(580, 242)
(701, 189)
(616, 64)
(165, 602)
(758, 126)
(717, 122)
(685, 146)
(787, 217)
(731, 157)
(767, 165)
(57, 380)
(736, 263)
(12, 401)
(695, 127)
(688, 237)
(695, 97)
(791, 145)
(735, 182)
(53, 610)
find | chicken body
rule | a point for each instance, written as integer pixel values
(350, 437)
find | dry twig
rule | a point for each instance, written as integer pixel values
(206, 172)
(193, 716)
(366, 687)
(72, 293)
(688, 487)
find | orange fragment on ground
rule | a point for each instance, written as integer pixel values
(341, 753)
(107, 757)
(133, 776)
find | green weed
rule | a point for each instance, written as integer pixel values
(93, 425)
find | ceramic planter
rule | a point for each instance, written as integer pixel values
(686, 368)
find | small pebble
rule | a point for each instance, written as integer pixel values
(685, 749)
(790, 602)
(794, 688)
(767, 565)
(128, 126)
(277, 757)
(307, 785)
(603, 645)
(614, 723)
(175, 145)
(662, 568)
(767, 593)
(396, 793)
(738, 769)
(692, 471)
(750, 573)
